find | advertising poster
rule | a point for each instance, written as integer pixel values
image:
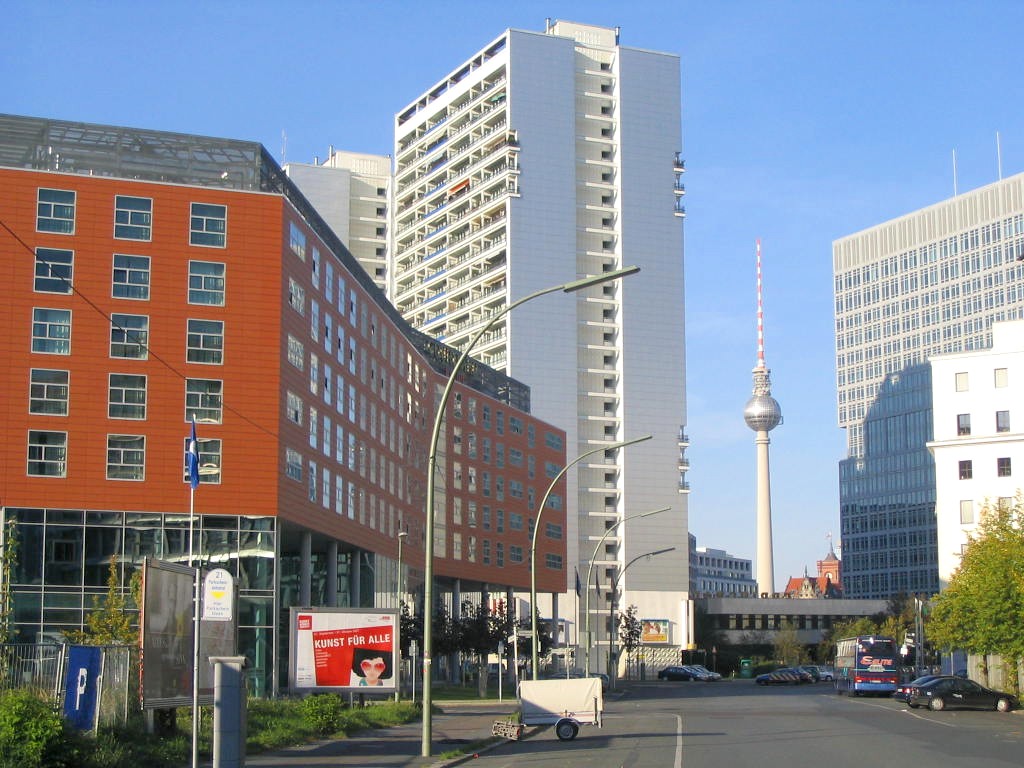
(653, 630)
(343, 648)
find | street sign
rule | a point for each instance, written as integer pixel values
(218, 596)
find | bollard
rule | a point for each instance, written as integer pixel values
(229, 711)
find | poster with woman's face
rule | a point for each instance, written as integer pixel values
(343, 648)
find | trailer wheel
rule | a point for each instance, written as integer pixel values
(566, 729)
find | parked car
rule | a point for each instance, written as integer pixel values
(902, 691)
(784, 676)
(827, 673)
(812, 670)
(948, 692)
(675, 673)
(700, 672)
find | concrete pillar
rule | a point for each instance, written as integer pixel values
(306, 569)
(355, 584)
(765, 563)
(229, 711)
(331, 596)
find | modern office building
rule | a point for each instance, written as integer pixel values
(716, 573)
(929, 283)
(978, 445)
(153, 278)
(543, 157)
(351, 191)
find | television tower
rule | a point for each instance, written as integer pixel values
(762, 415)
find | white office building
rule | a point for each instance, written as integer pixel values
(350, 190)
(545, 157)
(930, 283)
(978, 445)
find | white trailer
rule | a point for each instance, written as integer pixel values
(565, 703)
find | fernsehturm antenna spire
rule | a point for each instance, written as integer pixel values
(762, 415)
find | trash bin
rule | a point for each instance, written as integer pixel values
(746, 668)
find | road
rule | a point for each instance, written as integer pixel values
(736, 724)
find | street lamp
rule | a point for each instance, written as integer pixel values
(614, 602)
(536, 528)
(398, 606)
(428, 565)
(590, 570)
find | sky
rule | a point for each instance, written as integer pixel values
(803, 122)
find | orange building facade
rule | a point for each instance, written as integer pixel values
(153, 278)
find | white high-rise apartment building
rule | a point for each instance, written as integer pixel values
(978, 406)
(350, 190)
(545, 157)
(929, 283)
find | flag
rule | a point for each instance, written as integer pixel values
(192, 457)
(577, 582)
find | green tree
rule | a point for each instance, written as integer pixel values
(629, 631)
(410, 628)
(109, 622)
(8, 559)
(786, 645)
(982, 609)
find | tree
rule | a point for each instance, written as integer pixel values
(410, 628)
(109, 622)
(982, 610)
(8, 559)
(787, 645)
(629, 631)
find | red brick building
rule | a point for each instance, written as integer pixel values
(152, 277)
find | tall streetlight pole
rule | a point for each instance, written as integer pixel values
(614, 602)
(536, 528)
(398, 606)
(428, 568)
(590, 571)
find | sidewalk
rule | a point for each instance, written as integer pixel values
(457, 726)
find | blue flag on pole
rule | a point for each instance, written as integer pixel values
(192, 456)
(577, 582)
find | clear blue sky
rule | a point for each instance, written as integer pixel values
(802, 122)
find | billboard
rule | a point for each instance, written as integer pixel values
(654, 631)
(343, 649)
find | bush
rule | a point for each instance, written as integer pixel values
(323, 713)
(31, 732)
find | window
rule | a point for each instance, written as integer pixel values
(54, 268)
(48, 392)
(129, 336)
(208, 225)
(51, 331)
(293, 464)
(1002, 421)
(1003, 468)
(961, 382)
(963, 424)
(55, 211)
(554, 562)
(296, 296)
(131, 277)
(126, 457)
(294, 405)
(966, 470)
(47, 454)
(966, 512)
(209, 460)
(296, 353)
(126, 397)
(205, 342)
(204, 400)
(206, 283)
(133, 218)
(553, 531)
(1002, 378)
(297, 240)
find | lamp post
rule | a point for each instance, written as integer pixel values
(614, 602)
(590, 570)
(536, 528)
(398, 605)
(428, 565)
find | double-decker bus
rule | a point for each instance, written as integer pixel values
(867, 664)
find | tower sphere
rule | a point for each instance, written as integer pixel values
(762, 413)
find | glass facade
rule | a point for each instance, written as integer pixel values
(63, 561)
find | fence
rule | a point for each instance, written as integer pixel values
(43, 668)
